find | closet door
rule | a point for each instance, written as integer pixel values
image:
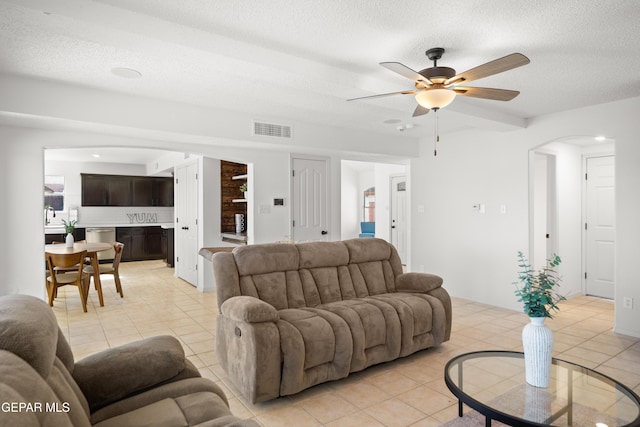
(186, 230)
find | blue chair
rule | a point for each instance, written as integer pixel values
(368, 229)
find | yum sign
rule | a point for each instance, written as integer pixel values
(142, 218)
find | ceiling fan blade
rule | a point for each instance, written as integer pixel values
(405, 92)
(496, 66)
(420, 111)
(487, 93)
(407, 72)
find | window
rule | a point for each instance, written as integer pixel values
(370, 204)
(54, 192)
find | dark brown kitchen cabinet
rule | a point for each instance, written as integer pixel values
(94, 190)
(163, 190)
(140, 243)
(152, 191)
(119, 191)
(106, 190)
(124, 190)
(153, 242)
(168, 250)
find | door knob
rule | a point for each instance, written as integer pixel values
(323, 232)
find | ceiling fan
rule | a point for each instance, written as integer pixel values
(436, 87)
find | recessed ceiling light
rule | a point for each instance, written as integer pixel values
(127, 73)
(95, 156)
(600, 138)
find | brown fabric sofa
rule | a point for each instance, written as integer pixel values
(296, 315)
(146, 383)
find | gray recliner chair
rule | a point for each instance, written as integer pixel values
(148, 382)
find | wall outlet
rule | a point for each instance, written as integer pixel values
(627, 302)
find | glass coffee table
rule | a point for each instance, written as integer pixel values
(493, 383)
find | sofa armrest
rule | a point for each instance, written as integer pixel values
(417, 282)
(122, 371)
(248, 309)
(248, 346)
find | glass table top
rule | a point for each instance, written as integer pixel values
(493, 383)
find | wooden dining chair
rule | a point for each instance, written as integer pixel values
(73, 267)
(111, 268)
(76, 277)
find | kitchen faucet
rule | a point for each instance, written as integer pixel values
(46, 214)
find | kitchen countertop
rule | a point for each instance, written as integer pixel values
(59, 229)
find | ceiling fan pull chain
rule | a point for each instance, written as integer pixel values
(436, 135)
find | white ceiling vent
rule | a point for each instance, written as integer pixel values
(271, 129)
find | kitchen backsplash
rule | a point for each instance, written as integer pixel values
(111, 215)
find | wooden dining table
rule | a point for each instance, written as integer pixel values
(92, 252)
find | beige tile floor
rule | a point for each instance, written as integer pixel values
(407, 392)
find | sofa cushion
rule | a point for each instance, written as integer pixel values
(374, 328)
(316, 347)
(313, 336)
(29, 330)
(269, 287)
(322, 254)
(21, 383)
(322, 285)
(165, 412)
(417, 314)
(365, 250)
(267, 259)
(198, 408)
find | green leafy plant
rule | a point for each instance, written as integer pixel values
(69, 226)
(535, 288)
(243, 188)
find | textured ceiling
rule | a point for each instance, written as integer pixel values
(298, 60)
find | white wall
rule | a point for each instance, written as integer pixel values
(476, 253)
(209, 212)
(350, 195)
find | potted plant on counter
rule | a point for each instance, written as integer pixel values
(536, 289)
(69, 227)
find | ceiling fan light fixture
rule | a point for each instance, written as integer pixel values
(435, 98)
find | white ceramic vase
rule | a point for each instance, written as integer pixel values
(69, 240)
(537, 340)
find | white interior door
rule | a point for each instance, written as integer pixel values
(310, 203)
(600, 227)
(399, 215)
(544, 209)
(186, 232)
